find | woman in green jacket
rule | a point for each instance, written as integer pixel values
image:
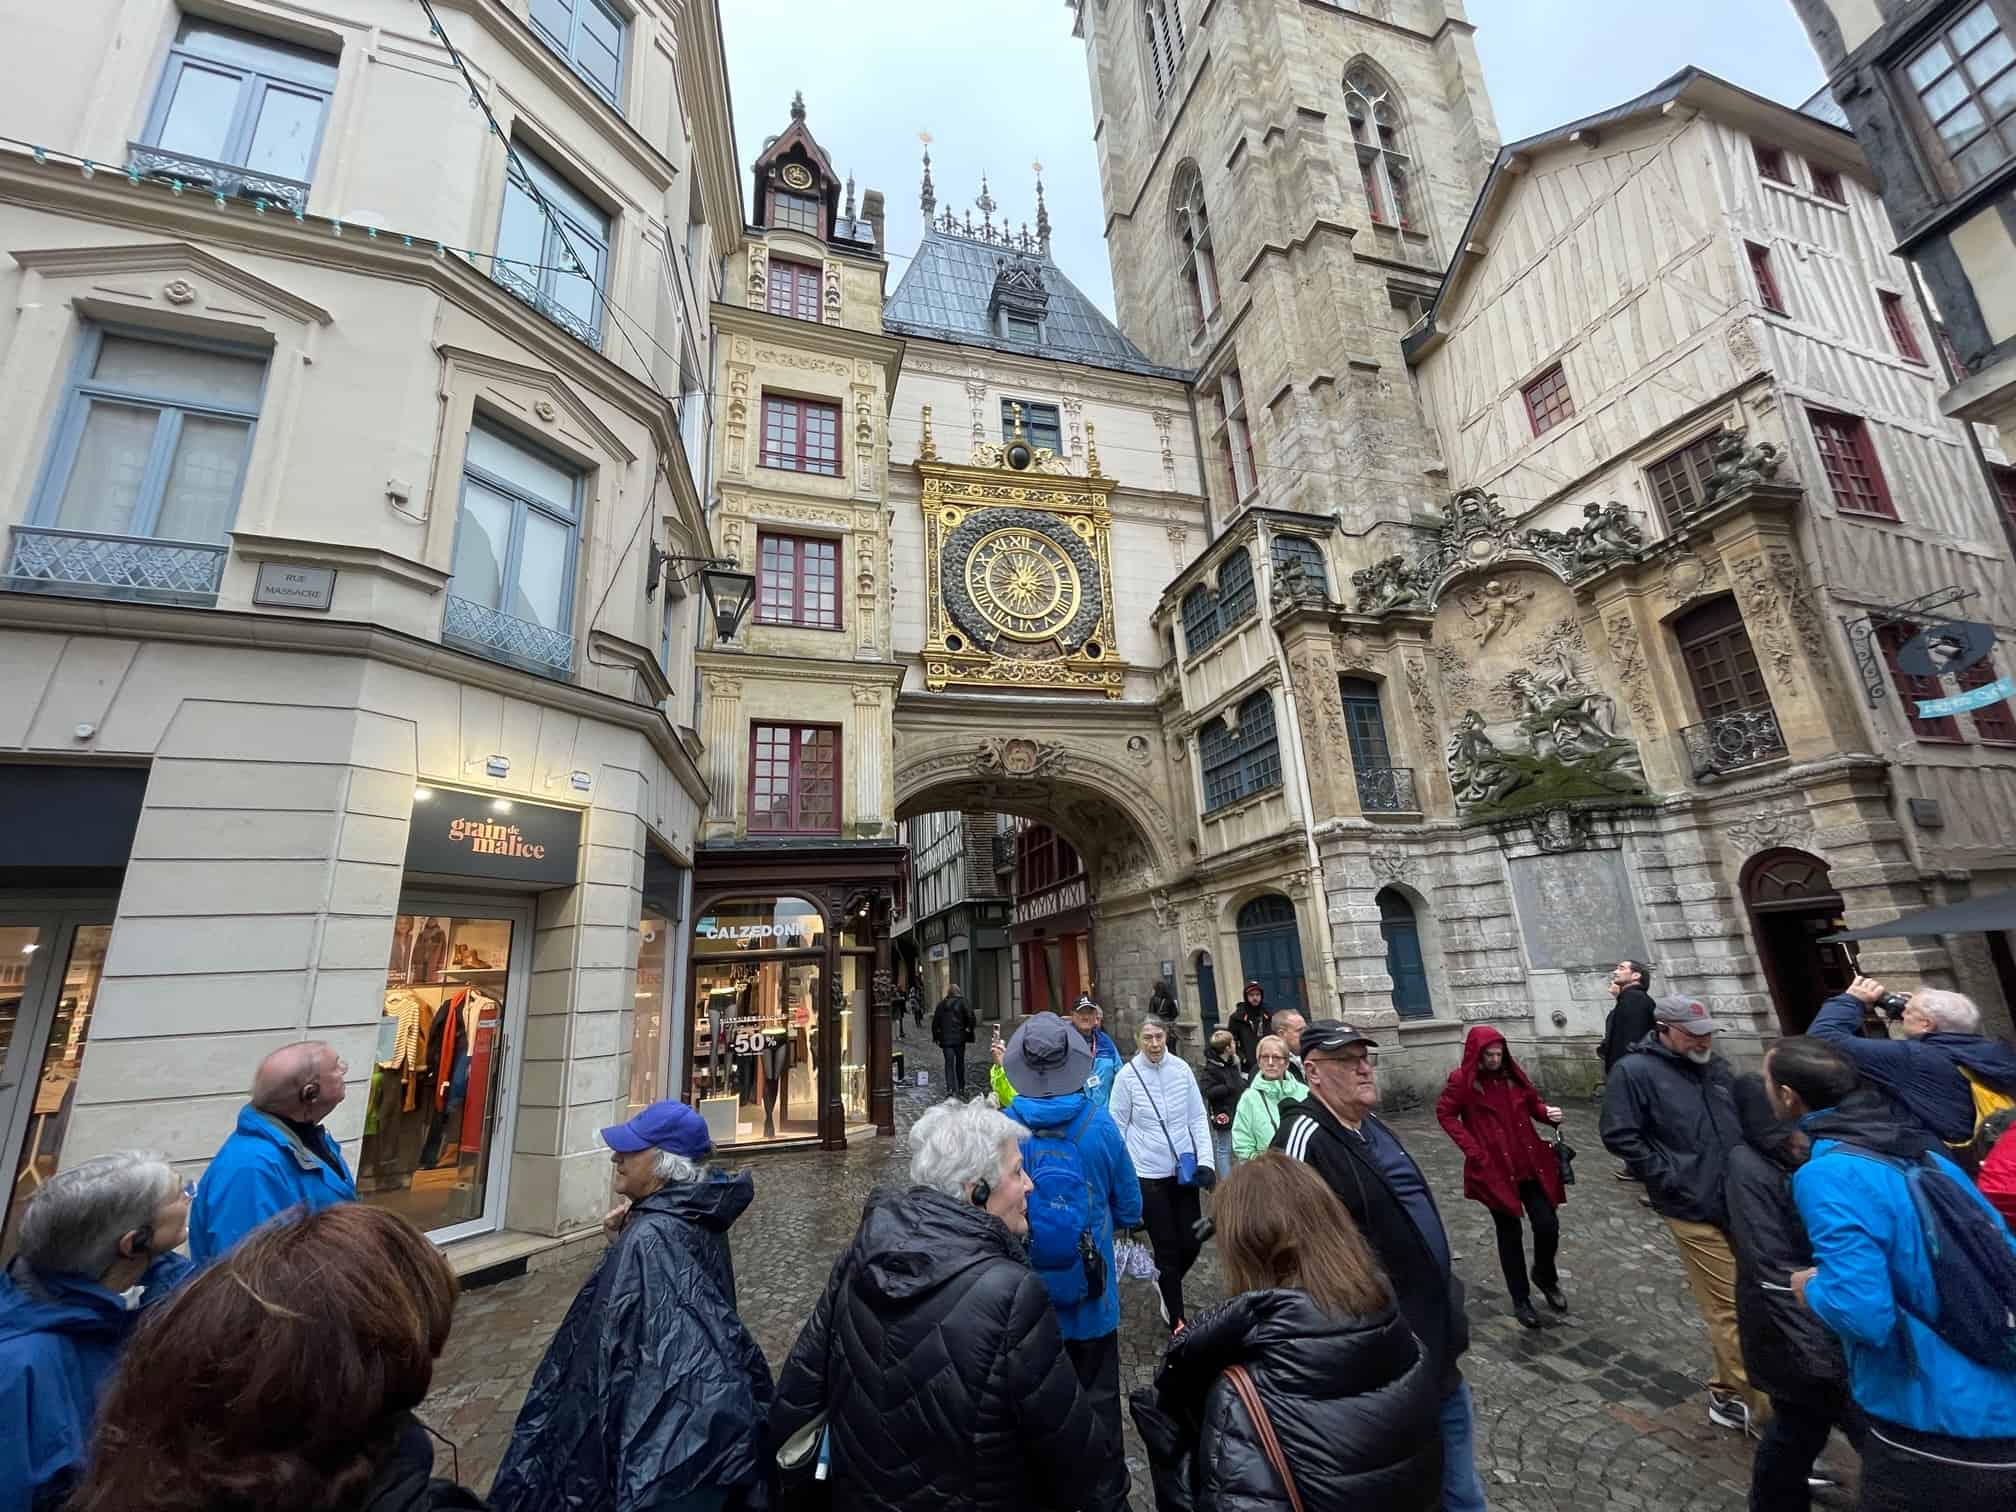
(1259, 1112)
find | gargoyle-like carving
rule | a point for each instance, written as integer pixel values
(1293, 585)
(1607, 534)
(1388, 583)
(1738, 467)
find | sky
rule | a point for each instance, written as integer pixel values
(1002, 86)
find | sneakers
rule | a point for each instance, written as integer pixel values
(1523, 1311)
(1555, 1298)
(1624, 1174)
(1728, 1410)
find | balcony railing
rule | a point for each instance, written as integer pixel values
(1730, 742)
(506, 638)
(1387, 790)
(1004, 850)
(226, 179)
(83, 565)
(545, 303)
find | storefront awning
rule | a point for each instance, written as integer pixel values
(1995, 910)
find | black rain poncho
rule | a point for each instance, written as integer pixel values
(652, 1389)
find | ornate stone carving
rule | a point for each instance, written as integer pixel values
(1607, 534)
(976, 395)
(885, 991)
(1293, 587)
(831, 300)
(759, 276)
(1162, 420)
(1495, 606)
(179, 291)
(1165, 910)
(1770, 829)
(1296, 883)
(804, 361)
(1389, 583)
(1138, 751)
(1742, 347)
(544, 409)
(1390, 865)
(1014, 756)
(723, 685)
(1479, 774)
(1759, 592)
(867, 696)
(1353, 655)
(1423, 701)
(1560, 829)
(1572, 747)
(1627, 654)
(1573, 724)
(1457, 683)
(1689, 576)
(1737, 467)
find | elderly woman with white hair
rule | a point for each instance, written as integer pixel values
(652, 1394)
(97, 1244)
(935, 1350)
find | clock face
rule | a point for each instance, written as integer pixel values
(1023, 584)
(797, 176)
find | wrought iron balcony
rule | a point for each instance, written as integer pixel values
(545, 303)
(1004, 850)
(506, 638)
(82, 565)
(1387, 790)
(226, 179)
(1730, 742)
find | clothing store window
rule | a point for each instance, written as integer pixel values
(432, 1118)
(759, 990)
(41, 1067)
(655, 1001)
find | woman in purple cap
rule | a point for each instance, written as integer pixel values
(652, 1393)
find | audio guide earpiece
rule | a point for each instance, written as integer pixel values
(981, 1192)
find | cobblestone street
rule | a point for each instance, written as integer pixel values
(1607, 1409)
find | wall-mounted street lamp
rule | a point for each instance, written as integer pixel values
(730, 592)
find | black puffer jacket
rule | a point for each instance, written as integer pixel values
(1788, 1353)
(1673, 1124)
(937, 1349)
(1630, 1021)
(403, 1487)
(1354, 1403)
(1221, 1082)
(952, 1021)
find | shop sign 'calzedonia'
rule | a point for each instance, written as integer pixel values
(497, 839)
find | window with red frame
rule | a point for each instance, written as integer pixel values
(797, 582)
(794, 780)
(2005, 491)
(794, 289)
(1767, 282)
(1993, 724)
(1910, 689)
(1043, 858)
(1548, 401)
(1901, 335)
(801, 435)
(1771, 163)
(1827, 184)
(1849, 457)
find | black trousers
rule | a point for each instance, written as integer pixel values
(1792, 1441)
(1904, 1470)
(1170, 1211)
(1097, 1362)
(1512, 1243)
(955, 1070)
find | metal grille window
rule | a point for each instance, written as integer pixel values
(1236, 598)
(794, 212)
(1765, 279)
(1965, 83)
(801, 435)
(794, 289)
(1827, 184)
(1193, 231)
(1385, 170)
(1771, 163)
(794, 786)
(1994, 723)
(797, 582)
(1889, 638)
(152, 439)
(1721, 665)
(1849, 458)
(1548, 402)
(1902, 337)
(232, 98)
(1306, 553)
(534, 260)
(1042, 425)
(589, 35)
(516, 538)
(1679, 481)
(1200, 619)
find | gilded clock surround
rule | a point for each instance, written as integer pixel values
(1018, 564)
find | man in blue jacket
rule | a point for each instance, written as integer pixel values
(1086, 1017)
(89, 1235)
(279, 1158)
(1942, 1425)
(1049, 1062)
(1922, 1072)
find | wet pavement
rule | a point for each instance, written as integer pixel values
(1606, 1408)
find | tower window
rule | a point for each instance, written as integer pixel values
(1386, 171)
(794, 289)
(1041, 424)
(1235, 437)
(794, 212)
(1193, 230)
(1162, 34)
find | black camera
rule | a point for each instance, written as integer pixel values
(1892, 1004)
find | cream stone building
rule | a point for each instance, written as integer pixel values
(356, 379)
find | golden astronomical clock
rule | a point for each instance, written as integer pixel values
(1023, 584)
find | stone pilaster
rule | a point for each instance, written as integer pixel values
(1326, 751)
(725, 744)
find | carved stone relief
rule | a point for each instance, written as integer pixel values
(1018, 757)
(1627, 654)
(1742, 347)
(1770, 829)
(976, 394)
(759, 276)
(1764, 616)
(1353, 655)
(1422, 699)
(1390, 865)
(1495, 605)
(831, 299)
(1689, 576)
(1162, 420)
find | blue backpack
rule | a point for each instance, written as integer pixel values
(1973, 1262)
(1060, 1214)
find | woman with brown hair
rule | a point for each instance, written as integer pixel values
(284, 1375)
(1340, 1383)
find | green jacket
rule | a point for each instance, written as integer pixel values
(998, 1080)
(1259, 1114)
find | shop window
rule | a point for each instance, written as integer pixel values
(794, 289)
(538, 253)
(1240, 763)
(1771, 165)
(590, 36)
(1898, 322)
(759, 999)
(1721, 664)
(1964, 84)
(152, 439)
(515, 545)
(63, 995)
(1383, 168)
(1236, 597)
(1765, 279)
(794, 212)
(1910, 689)
(1993, 724)
(231, 99)
(1827, 184)
(1042, 425)
(1193, 233)
(794, 780)
(1548, 402)
(797, 582)
(1848, 456)
(1306, 554)
(1679, 480)
(801, 435)
(1235, 436)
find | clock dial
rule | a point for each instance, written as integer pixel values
(1023, 584)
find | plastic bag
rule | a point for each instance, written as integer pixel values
(1132, 1257)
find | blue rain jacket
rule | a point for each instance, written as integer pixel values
(1115, 1199)
(260, 1172)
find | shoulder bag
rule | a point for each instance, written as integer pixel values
(1564, 1158)
(1186, 1161)
(1249, 1398)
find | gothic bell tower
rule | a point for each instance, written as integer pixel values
(1284, 183)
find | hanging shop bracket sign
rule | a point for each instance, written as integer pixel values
(1941, 645)
(496, 839)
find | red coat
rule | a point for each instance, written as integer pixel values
(1998, 1177)
(1491, 1119)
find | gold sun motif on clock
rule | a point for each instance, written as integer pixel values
(1023, 584)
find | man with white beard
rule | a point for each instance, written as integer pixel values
(1669, 1114)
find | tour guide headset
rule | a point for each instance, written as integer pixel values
(981, 1192)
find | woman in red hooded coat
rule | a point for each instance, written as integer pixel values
(1489, 1108)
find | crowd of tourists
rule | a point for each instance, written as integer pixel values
(965, 1353)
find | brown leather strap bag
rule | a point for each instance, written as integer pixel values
(1249, 1398)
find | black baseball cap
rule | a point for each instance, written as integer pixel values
(1333, 1034)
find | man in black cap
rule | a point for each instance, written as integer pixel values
(1336, 1134)
(1084, 1188)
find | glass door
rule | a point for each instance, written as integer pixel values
(50, 968)
(443, 1089)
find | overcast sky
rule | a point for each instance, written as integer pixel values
(1001, 86)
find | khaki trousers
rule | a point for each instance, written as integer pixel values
(1711, 1271)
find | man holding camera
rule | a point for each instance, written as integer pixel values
(1933, 1071)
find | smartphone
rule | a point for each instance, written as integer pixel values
(1769, 1286)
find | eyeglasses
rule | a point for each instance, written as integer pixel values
(1277, 1059)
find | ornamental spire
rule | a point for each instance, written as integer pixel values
(986, 206)
(1042, 214)
(798, 105)
(849, 212)
(929, 198)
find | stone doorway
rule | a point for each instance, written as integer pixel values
(1270, 952)
(1792, 904)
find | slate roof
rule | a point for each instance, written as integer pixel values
(945, 295)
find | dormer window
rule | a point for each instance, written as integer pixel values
(794, 212)
(1021, 328)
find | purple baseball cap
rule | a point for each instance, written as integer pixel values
(665, 1125)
